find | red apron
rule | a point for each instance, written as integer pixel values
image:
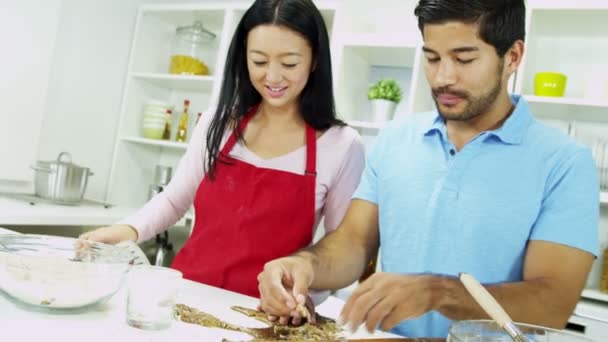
(246, 217)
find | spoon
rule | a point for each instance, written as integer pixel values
(491, 307)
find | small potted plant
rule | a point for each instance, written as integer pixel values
(384, 96)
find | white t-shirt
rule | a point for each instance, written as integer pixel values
(340, 162)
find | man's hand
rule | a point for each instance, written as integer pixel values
(386, 299)
(297, 317)
(284, 286)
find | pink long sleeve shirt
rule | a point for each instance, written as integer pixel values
(340, 162)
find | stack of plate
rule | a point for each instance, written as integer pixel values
(155, 119)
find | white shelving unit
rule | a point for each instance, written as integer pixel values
(601, 103)
(176, 82)
(363, 59)
(549, 47)
(604, 197)
(595, 294)
(158, 143)
(148, 79)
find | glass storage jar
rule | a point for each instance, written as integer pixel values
(191, 50)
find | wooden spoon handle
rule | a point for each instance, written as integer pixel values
(485, 299)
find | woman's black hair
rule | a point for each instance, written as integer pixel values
(237, 94)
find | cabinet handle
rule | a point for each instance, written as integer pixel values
(579, 328)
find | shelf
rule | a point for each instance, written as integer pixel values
(173, 15)
(595, 294)
(567, 4)
(380, 55)
(604, 197)
(388, 40)
(366, 124)
(158, 143)
(567, 101)
(179, 82)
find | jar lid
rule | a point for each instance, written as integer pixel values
(195, 33)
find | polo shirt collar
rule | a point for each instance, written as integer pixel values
(512, 130)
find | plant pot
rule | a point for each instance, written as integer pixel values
(383, 110)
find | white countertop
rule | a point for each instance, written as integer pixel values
(17, 212)
(107, 321)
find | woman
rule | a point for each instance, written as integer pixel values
(269, 164)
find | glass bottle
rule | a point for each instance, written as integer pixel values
(167, 132)
(182, 128)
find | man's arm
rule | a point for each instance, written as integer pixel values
(554, 276)
(340, 258)
(334, 262)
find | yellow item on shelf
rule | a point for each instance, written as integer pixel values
(182, 64)
(182, 129)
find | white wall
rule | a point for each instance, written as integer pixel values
(27, 32)
(86, 83)
(85, 80)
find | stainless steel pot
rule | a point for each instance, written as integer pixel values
(61, 180)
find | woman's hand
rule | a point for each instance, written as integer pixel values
(111, 234)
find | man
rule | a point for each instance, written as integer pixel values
(478, 186)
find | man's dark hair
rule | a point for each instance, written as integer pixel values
(501, 22)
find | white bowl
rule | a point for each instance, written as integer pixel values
(155, 115)
(153, 121)
(156, 110)
(489, 331)
(157, 103)
(49, 272)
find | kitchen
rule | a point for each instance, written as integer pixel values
(80, 84)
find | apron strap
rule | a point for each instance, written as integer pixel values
(311, 151)
(232, 139)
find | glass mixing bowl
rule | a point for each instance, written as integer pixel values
(489, 331)
(60, 273)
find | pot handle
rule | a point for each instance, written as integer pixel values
(64, 154)
(42, 169)
(91, 173)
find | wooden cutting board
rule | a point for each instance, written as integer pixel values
(401, 340)
(395, 340)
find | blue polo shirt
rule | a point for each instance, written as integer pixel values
(474, 210)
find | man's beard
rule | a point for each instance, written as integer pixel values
(475, 105)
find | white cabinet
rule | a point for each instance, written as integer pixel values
(591, 320)
(371, 43)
